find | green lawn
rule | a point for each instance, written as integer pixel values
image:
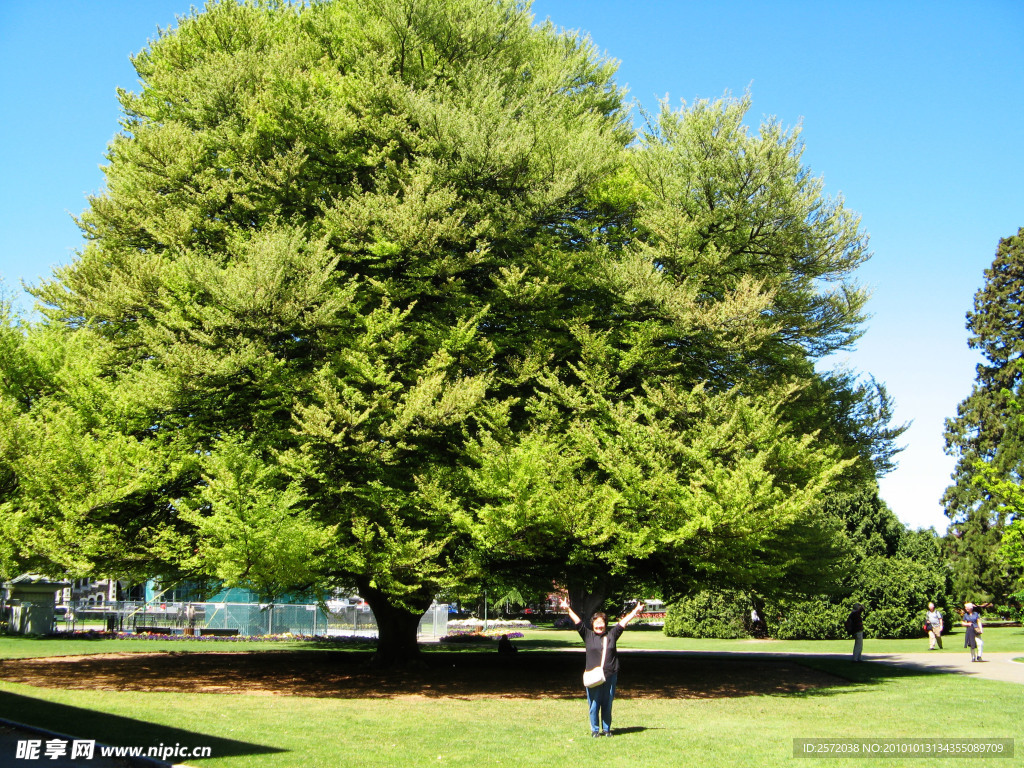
(280, 732)
(865, 701)
(997, 640)
(12, 647)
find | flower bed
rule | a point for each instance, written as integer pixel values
(94, 634)
(492, 624)
(215, 638)
(466, 636)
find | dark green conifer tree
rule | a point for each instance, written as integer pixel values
(986, 433)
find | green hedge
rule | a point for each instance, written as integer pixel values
(814, 619)
(721, 614)
(895, 592)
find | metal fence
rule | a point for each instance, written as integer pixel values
(434, 623)
(246, 619)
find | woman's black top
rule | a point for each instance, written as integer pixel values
(856, 622)
(594, 641)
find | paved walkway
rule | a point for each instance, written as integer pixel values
(996, 666)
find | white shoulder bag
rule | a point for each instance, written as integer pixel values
(594, 677)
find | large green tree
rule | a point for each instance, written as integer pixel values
(379, 294)
(986, 436)
(330, 233)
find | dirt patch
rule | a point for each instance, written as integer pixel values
(339, 674)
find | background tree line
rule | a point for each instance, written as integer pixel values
(896, 572)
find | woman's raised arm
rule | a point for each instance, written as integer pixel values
(632, 614)
(572, 614)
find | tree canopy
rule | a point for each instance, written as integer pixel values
(388, 294)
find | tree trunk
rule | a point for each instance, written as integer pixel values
(585, 602)
(396, 627)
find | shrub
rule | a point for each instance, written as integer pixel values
(1009, 612)
(720, 614)
(814, 619)
(896, 592)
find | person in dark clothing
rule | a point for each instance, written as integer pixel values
(855, 626)
(600, 640)
(505, 645)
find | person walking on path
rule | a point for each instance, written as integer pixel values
(934, 621)
(855, 626)
(972, 637)
(600, 641)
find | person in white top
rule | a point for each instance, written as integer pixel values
(934, 621)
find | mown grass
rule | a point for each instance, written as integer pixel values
(864, 701)
(244, 730)
(997, 640)
(14, 647)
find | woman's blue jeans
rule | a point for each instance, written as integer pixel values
(600, 700)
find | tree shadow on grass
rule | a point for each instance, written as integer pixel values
(62, 644)
(852, 676)
(455, 675)
(530, 644)
(115, 730)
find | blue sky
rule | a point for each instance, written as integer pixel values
(912, 111)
